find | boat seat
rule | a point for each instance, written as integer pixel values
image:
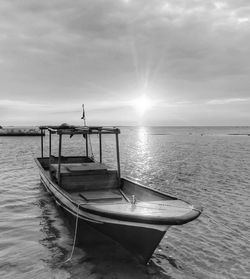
(79, 168)
(71, 159)
(101, 195)
(85, 176)
(85, 168)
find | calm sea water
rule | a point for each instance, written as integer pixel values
(203, 165)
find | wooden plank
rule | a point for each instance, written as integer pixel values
(80, 168)
(100, 195)
(84, 167)
(90, 181)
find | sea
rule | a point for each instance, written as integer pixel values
(207, 166)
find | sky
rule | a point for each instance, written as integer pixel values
(130, 62)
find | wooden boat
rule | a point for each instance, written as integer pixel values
(135, 216)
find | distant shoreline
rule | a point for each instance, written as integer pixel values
(20, 132)
(20, 135)
(239, 134)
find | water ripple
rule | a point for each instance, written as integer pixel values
(212, 170)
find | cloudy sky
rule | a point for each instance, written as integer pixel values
(131, 62)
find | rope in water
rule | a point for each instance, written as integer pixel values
(75, 234)
(227, 227)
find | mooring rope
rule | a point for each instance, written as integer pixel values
(75, 233)
(227, 227)
(221, 224)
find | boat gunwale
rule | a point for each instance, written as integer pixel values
(88, 207)
(156, 220)
(105, 220)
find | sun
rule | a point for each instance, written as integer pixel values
(142, 104)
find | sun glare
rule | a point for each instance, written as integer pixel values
(142, 104)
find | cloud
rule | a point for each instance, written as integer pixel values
(228, 101)
(98, 51)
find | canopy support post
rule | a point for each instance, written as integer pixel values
(59, 160)
(49, 144)
(100, 146)
(49, 148)
(42, 143)
(87, 146)
(118, 157)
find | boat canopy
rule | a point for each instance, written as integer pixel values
(86, 131)
(72, 130)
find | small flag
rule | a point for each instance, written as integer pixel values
(83, 112)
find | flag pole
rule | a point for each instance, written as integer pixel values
(83, 115)
(85, 135)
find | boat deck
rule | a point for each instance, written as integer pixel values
(98, 196)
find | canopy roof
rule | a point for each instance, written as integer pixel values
(72, 130)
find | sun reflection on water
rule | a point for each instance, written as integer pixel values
(142, 151)
(142, 135)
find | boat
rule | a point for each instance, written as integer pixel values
(102, 202)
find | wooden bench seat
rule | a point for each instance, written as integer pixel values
(85, 176)
(101, 195)
(79, 168)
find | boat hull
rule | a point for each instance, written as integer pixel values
(140, 242)
(139, 239)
